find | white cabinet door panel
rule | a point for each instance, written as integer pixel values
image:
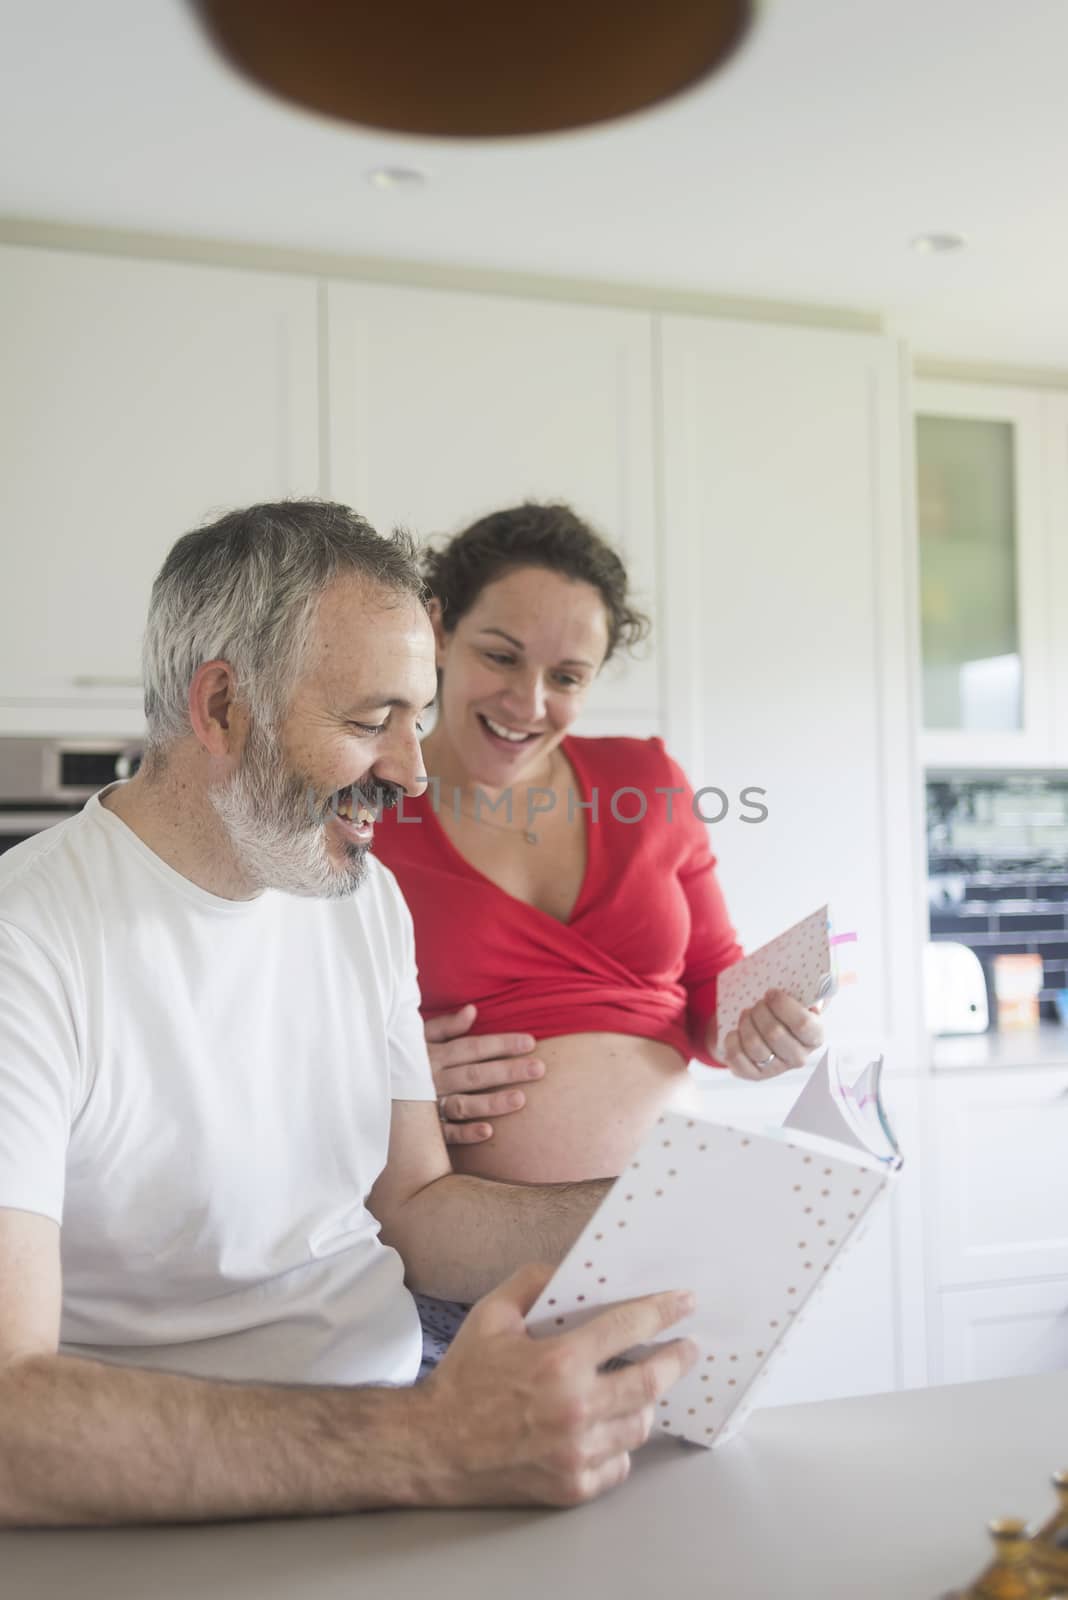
(787, 574)
(1055, 434)
(1010, 1331)
(444, 406)
(137, 399)
(1002, 1175)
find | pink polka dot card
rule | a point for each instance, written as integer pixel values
(752, 1222)
(798, 961)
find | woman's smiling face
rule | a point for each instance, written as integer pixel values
(516, 670)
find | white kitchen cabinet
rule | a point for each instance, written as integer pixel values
(1002, 1331)
(1055, 458)
(445, 405)
(996, 1222)
(137, 399)
(792, 650)
(982, 514)
(1001, 1175)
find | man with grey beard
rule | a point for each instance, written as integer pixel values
(221, 1165)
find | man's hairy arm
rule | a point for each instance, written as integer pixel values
(87, 1442)
(460, 1236)
(505, 1420)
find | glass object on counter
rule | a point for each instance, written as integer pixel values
(1010, 1576)
(1049, 1546)
(966, 485)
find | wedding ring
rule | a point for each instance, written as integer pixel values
(441, 1109)
(760, 1065)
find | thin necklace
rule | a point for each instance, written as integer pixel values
(528, 835)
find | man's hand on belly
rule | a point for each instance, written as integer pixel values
(475, 1074)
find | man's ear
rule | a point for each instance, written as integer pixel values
(218, 719)
(433, 611)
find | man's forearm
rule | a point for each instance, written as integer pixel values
(460, 1236)
(87, 1443)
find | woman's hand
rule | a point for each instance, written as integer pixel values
(774, 1036)
(473, 1074)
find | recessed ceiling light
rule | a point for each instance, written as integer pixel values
(396, 177)
(938, 244)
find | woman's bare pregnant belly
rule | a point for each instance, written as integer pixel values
(600, 1092)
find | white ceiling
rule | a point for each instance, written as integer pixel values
(799, 174)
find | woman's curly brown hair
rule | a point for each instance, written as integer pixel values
(532, 535)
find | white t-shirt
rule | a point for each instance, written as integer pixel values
(199, 1090)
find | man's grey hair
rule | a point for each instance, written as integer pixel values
(245, 590)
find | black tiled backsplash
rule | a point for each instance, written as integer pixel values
(997, 860)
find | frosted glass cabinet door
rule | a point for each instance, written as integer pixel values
(966, 508)
(982, 584)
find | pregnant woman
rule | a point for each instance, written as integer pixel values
(562, 888)
(562, 885)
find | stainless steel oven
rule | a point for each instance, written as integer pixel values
(44, 781)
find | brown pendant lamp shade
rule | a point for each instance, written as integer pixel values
(476, 68)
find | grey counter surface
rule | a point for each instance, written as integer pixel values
(882, 1498)
(1044, 1046)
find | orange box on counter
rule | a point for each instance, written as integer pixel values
(1017, 985)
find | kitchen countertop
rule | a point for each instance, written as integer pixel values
(1044, 1046)
(884, 1497)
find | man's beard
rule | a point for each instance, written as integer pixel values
(276, 822)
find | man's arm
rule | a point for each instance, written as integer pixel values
(89, 1443)
(85, 1442)
(459, 1236)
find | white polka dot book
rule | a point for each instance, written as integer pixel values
(752, 1222)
